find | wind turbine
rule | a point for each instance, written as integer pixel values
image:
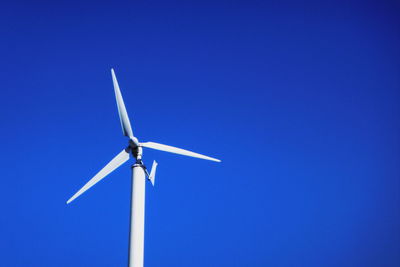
(139, 173)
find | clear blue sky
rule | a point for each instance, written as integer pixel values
(299, 100)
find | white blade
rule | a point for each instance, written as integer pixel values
(123, 115)
(152, 175)
(112, 165)
(176, 150)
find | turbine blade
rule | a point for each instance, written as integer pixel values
(176, 150)
(123, 115)
(152, 175)
(122, 157)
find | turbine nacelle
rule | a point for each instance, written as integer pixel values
(135, 148)
(136, 151)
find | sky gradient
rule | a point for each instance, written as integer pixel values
(300, 101)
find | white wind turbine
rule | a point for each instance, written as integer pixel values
(139, 173)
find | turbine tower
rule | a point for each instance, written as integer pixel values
(139, 173)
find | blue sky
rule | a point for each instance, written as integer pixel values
(299, 100)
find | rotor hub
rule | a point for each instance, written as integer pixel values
(135, 149)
